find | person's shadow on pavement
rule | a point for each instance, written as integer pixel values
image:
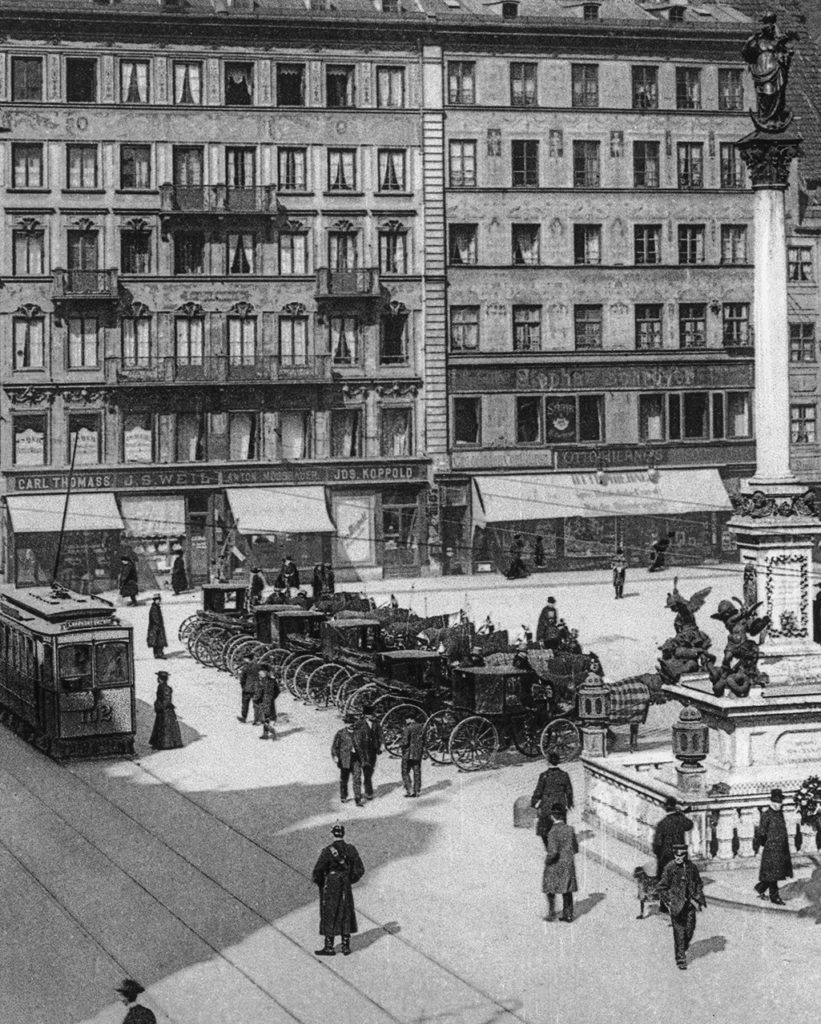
(364, 939)
(587, 904)
(703, 947)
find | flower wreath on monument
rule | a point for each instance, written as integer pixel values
(808, 803)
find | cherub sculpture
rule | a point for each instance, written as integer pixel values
(689, 649)
(739, 667)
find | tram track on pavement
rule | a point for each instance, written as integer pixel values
(499, 1007)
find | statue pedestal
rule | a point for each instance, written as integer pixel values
(594, 740)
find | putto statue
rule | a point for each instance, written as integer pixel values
(768, 58)
(739, 667)
(689, 649)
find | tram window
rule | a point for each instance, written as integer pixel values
(75, 667)
(48, 666)
(111, 664)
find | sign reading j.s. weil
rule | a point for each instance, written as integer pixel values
(245, 475)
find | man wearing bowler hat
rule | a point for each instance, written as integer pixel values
(681, 891)
(346, 756)
(368, 741)
(130, 991)
(771, 838)
(670, 832)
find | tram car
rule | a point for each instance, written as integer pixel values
(67, 676)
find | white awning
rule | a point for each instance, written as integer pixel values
(271, 510)
(161, 515)
(43, 513)
(675, 492)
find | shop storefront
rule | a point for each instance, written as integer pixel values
(577, 520)
(356, 515)
(91, 547)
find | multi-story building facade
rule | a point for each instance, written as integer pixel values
(345, 281)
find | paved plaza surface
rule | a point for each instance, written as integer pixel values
(190, 869)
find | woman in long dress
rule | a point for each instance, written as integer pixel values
(166, 732)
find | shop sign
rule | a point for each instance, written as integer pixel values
(137, 444)
(29, 447)
(158, 478)
(661, 377)
(561, 419)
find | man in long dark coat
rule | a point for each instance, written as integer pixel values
(127, 582)
(670, 832)
(553, 787)
(265, 706)
(412, 746)
(681, 890)
(368, 741)
(559, 865)
(771, 838)
(248, 681)
(257, 587)
(338, 868)
(156, 638)
(290, 573)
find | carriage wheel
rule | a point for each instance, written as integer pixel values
(363, 695)
(561, 737)
(286, 678)
(233, 659)
(347, 688)
(294, 679)
(383, 704)
(526, 735)
(193, 634)
(318, 687)
(393, 723)
(201, 647)
(186, 626)
(303, 673)
(437, 735)
(340, 677)
(473, 744)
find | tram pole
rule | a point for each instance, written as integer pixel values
(65, 510)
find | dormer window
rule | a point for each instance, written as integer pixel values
(590, 12)
(676, 14)
(510, 10)
(390, 6)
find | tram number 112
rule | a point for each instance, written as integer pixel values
(100, 713)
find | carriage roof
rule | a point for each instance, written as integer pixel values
(490, 672)
(295, 612)
(411, 655)
(227, 588)
(354, 623)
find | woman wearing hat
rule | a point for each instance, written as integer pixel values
(130, 991)
(166, 732)
(771, 838)
(338, 867)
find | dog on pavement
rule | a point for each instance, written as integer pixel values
(648, 890)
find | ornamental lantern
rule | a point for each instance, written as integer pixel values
(593, 701)
(691, 737)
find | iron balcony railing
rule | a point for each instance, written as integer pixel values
(85, 284)
(347, 284)
(219, 199)
(219, 370)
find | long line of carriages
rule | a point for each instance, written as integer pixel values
(348, 654)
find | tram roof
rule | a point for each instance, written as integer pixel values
(52, 605)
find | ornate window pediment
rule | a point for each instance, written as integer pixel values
(85, 224)
(137, 224)
(242, 310)
(398, 309)
(395, 227)
(295, 309)
(190, 310)
(29, 311)
(29, 225)
(347, 226)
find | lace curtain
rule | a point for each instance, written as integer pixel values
(187, 84)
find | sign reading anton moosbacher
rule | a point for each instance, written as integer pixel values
(159, 478)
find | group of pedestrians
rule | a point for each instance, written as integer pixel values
(260, 687)
(357, 746)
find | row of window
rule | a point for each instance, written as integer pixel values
(526, 170)
(585, 91)
(138, 347)
(572, 419)
(188, 83)
(83, 173)
(342, 88)
(239, 253)
(526, 248)
(588, 327)
(195, 437)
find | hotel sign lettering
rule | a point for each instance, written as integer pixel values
(157, 478)
(600, 378)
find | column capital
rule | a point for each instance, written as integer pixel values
(768, 156)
